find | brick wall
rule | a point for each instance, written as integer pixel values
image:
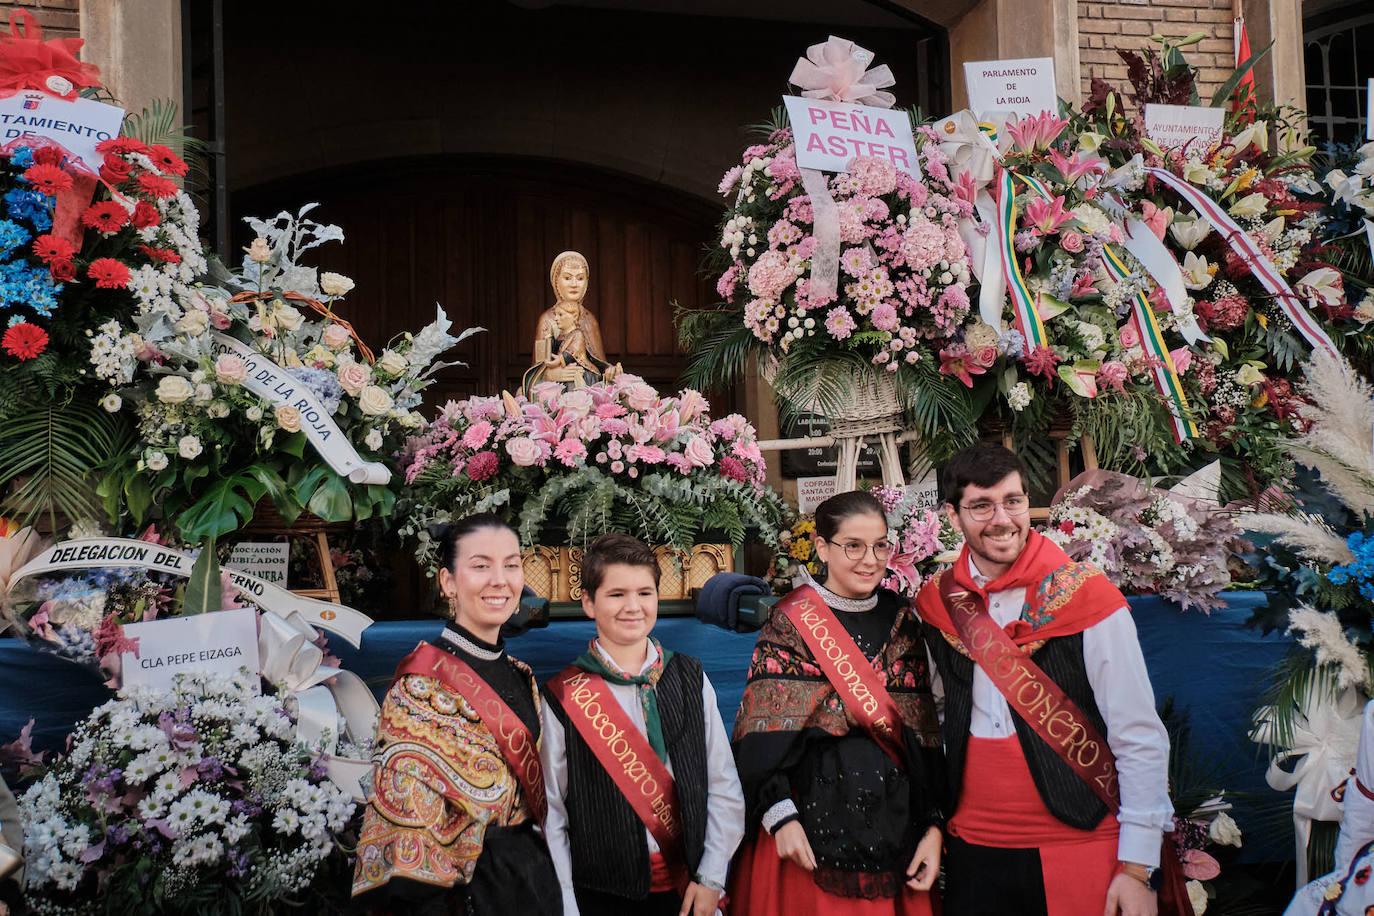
(1128, 24)
(59, 18)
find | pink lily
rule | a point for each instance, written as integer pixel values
(1082, 285)
(966, 188)
(903, 568)
(958, 363)
(1073, 167)
(1036, 133)
(1047, 216)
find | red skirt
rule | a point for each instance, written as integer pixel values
(1000, 806)
(762, 884)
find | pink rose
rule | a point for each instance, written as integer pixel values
(354, 377)
(699, 452)
(1071, 241)
(336, 337)
(219, 320)
(1129, 337)
(985, 356)
(522, 450)
(230, 369)
(1183, 358)
(641, 396)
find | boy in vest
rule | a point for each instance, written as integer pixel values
(1058, 762)
(645, 807)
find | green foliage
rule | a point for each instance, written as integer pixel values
(203, 591)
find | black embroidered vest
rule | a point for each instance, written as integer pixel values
(610, 852)
(1064, 793)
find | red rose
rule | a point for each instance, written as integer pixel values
(156, 185)
(62, 270)
(108, 216)
(115, 169)
(145, 215)
(167, 162)
(51, 247)
(24, 340)
(121, 145)
(108, 273)
(48, 178)
(47, 155)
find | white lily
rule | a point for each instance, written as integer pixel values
(1322, 284)
(1190, 232)
(1197, 273)
(1257, 133)
(1249, 205)
(1273, 229)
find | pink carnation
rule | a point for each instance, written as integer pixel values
(482, 465)
(734, 469)
(884, 317)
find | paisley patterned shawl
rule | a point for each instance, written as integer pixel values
(440, 780)
(787, 692)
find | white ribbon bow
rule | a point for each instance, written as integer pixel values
(326, 701)
(1326, 735)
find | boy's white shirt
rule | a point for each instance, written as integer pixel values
(724, 797)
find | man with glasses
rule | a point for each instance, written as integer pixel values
(1058, 762)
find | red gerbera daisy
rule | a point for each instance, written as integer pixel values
(160, 254)
(48, 178)
(121, 145)
(24, 340)
(145, 215)
(49, 246)
(108, 273)
(108, 216)
(167, 162)
(156, 185)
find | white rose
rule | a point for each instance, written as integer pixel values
(254, 414)
(374, 401)
(189, 447)
(411, 419)
(1197, 896)
(111, 402)
(1224, 831)
(204, 393)
(195, 323)
(332, 284)
(354, 377)
(156, 461)
(218, 410)
(174, 389)
(391, 362)
(336, 337)
(289, 419)
(374, 440)
(289, 317)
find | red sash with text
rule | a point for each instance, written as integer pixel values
(518, 746)
(845, 667)
(626, 755)
(1044, 706)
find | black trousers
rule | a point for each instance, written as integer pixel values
(596, 903)
(989, 881)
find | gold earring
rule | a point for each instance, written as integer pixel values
(453, 606)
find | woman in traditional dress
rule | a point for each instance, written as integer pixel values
(453, 821)
(840, 758)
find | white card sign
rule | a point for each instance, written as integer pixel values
(829, 134)
(77, 124)
(925, 492)
(268, 560)
(812, 491)
(220, 642)
(1020, 87)
(1176, 126)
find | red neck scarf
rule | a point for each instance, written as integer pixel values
(1063, 597)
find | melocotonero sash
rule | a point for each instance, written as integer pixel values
(627, 757)
(518, 746)
(1031, 693)
(845, 667)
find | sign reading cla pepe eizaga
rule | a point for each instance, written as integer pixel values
(829, 134)
(219, 642)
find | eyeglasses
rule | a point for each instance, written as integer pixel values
(984, 509)
(855, 551)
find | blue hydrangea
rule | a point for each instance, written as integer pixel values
(323, 384)
(12, 235)
(32, 207)
(1012, 343)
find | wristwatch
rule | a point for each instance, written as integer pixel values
(1152, 878)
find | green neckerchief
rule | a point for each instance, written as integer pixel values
(594, 662)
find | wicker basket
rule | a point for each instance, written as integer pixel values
(868, 404)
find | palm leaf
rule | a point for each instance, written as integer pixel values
(48, 454)
(160, 123)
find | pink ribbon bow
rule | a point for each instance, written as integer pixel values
(837, 70)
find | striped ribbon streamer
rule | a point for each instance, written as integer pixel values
(1166, 377)
(1023, 303)
(1263, 269)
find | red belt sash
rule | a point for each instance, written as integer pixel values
(518, 745)
(845, 667)
(627, 757)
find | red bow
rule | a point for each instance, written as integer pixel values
(28, 62)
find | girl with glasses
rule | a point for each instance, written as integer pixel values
(836, 740)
